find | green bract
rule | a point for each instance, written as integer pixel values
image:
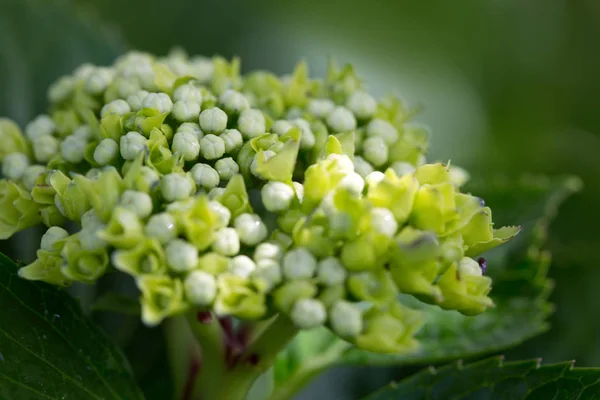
(247, 196)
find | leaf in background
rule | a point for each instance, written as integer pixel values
(493, 379)
(118, 303)
(50, 350)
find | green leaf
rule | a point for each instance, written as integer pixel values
(493, 379)
(118, 303)
(50, 350)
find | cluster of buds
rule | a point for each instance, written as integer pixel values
(246, 196)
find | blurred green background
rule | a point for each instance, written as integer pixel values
(508, 87)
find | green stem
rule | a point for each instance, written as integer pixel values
(182, 352)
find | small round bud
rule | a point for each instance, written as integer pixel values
(188, 93)
(176, 186)
(267, 251)
(341, 163)
(14, 165)
(216, 192)
(158, 101)
(200, 288)
(52, 235)
(469, 267)
(374, 178)
(45, 147)
(383, 129)
(161, 227)
(186, 111)
(308, 313)
(73, 149)
(320, 108)
(330, 271)
(30, 175)
(202, 68)
(125, 88)
(299, 264)
(212, 147)
(375, 151)
(61, 89)
(205, 176)
(233, 102)
(138, 202)
(186, 144)
(191, 127)
(226, 242)
(341, 120)
(362, 166)
(89, 239)
(222, 212)
(132, 144)
(250, 229)
(402, 168)
(362, 104)
(277, 196)
(269, 271)
(383, 221)
(281, 127)
(307, 138)
(242, 266)
(345, 319)
(98, 80)
(149, 176)
(181, 255)
(118, 107)
(137, 99)
(251, 123)
(84, 132)
(82, 72)
(353, 182)
(106, 151)
(213, 120)
(227, 168)
(233, 140)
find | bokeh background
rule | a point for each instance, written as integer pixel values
(509, 86)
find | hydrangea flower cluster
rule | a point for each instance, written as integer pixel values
(247, 196)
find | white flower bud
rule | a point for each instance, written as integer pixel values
(98, 80)
(89, 239)
(299, 264)
(61, 89)
(242, 266)
(73, 149)
(186, 111)
(15, 165)
(83, 132)
(269, 271)
(308, 313)
(150, 176)
(212, 147)
(191, 127)
(341, 163)
(330, 271)
(383, 129)
(402, 168)
(277, 196)
(132, 144)
(181, 255)
(383, 221)
(281, 127)
(421, 160)
(176, 186)
(268, 251)
(30, 175)
(222, 212)
(458, 176)
(200, 288)
(362, 104)
(125, 87)
(213, 120)
(233, 102)
(307, 138)
(375, 151)
(320, 108)
(233, 140)
(42, 125)
(106, 151)
(52, 235)
(299, 190)
(161, 227)
(254, 165)
(469, 267)
(82, 72)
(186, 144)
(251, 123)
(158, 101)
(226, 242)
(341, 120)
(45, 147)
(137, 99)
(362, 166)
(188, 93)
(227, 168)
(345, 319)
(202, 68)
(216, 192)
(204, 175)
(138, 202)
(374, 178)
(353, 182)
(250, 228)
(119, 107)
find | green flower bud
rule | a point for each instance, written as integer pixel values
(362, 104)
(80, 264)
(106, 151)
(233, 140)
(147, 257)
(277, 196)
(191, 127)
(158, 101)
(226, 242)
(176, 186)
(11, 139)
(320, 108)
(162, 296)
(188, 93)
(200, 288)
(375, 151)
(181, 255)
(213, 120)
(14, 165)
(161, 227)
(288, 294)
(124, 230)
(250, 229)
(61, 90)
(138, 202)
(242, 266)
(205, 176)
(186, 111)
(268, 251)
(214, 263)
(362, 166)
(345, 319)
(18, 211)
(402, 168)
(132, 144)
(237, 297)
(299, 264)
(395, 194)
(308, 313)
(233, 102)
(42, 125)
(376, 287)
(73, 149)
(330, 271)
(384, 130)
(341, 120)
(45, 147)
(465, 289)
(136, 100)
(269, 273)
(51, 238)
(227, 168)
(118, 107)
(98, 80)
(212, 147)
(281, 127)
(31, 174)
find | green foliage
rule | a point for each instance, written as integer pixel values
(49, 349)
